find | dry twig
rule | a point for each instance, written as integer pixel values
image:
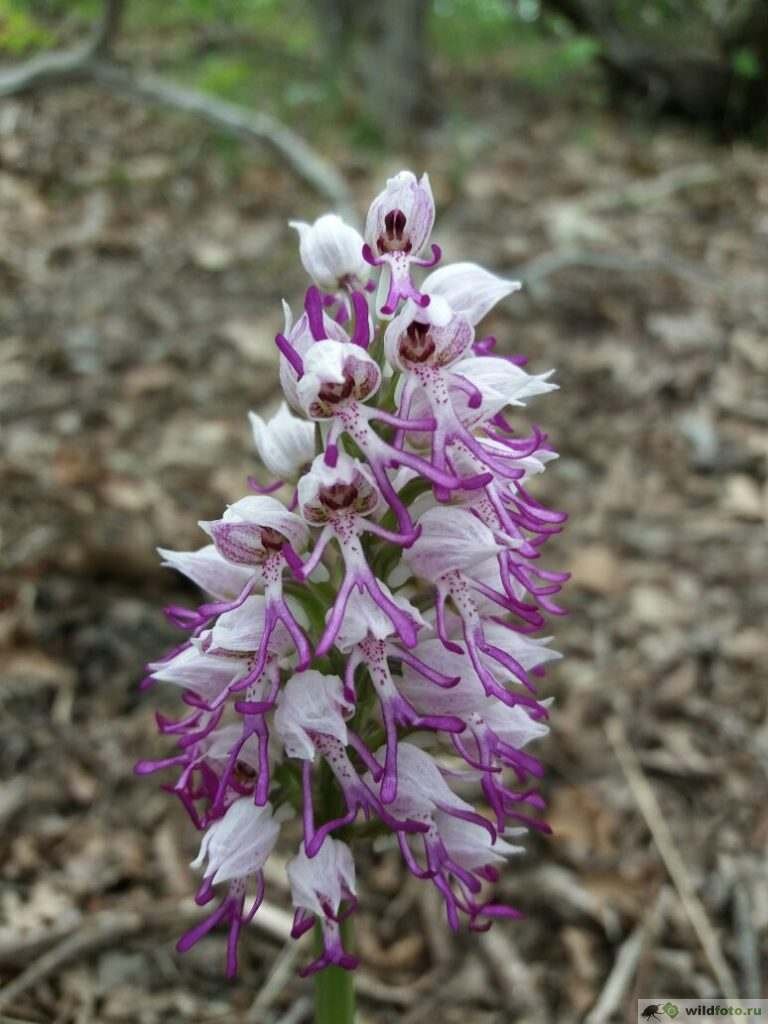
(673, 861)
(747, 941)
(102, 930)
(625, 964)
(112, 926)
(513, 975)
(282, 971)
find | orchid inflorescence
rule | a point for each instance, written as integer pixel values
(366, 649)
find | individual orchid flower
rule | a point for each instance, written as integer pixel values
(216, 665)
(319, 886)
(457, 553)
(366, 637)
(425, 796)
(331, 252)
(495, 734)
(519, 525)
(285, 443)
(389, 613)
(236, 848)
(311, 721)
(437, 370)
(298, 337)
(241, 631)
(341, 499)
(397, 228)
(259, 532)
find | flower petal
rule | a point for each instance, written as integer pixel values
(322, 880)
(468, 288)
(331, 252)
(285, 443)
(238, 844)
(451, 538)
(208, 570)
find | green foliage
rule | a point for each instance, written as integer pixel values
(20, 30)
(547, 63)
(268, 54)
(517, 34)
(746, 64)
(464, 29)
(227, 76)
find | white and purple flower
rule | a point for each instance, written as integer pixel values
(373, 646)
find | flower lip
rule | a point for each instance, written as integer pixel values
(338, 496)
(394, 229)
(417, 346)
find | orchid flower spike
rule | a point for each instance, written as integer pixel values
(368, 649)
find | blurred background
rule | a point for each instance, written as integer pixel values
(610, 153)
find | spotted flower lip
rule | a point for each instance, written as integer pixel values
(368, 652)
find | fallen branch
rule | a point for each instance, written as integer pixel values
(250, 126)
(92, 63)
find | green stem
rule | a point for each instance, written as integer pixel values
(334, 987)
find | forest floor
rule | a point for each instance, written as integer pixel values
(142, 263)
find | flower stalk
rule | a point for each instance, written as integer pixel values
(334, 987)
